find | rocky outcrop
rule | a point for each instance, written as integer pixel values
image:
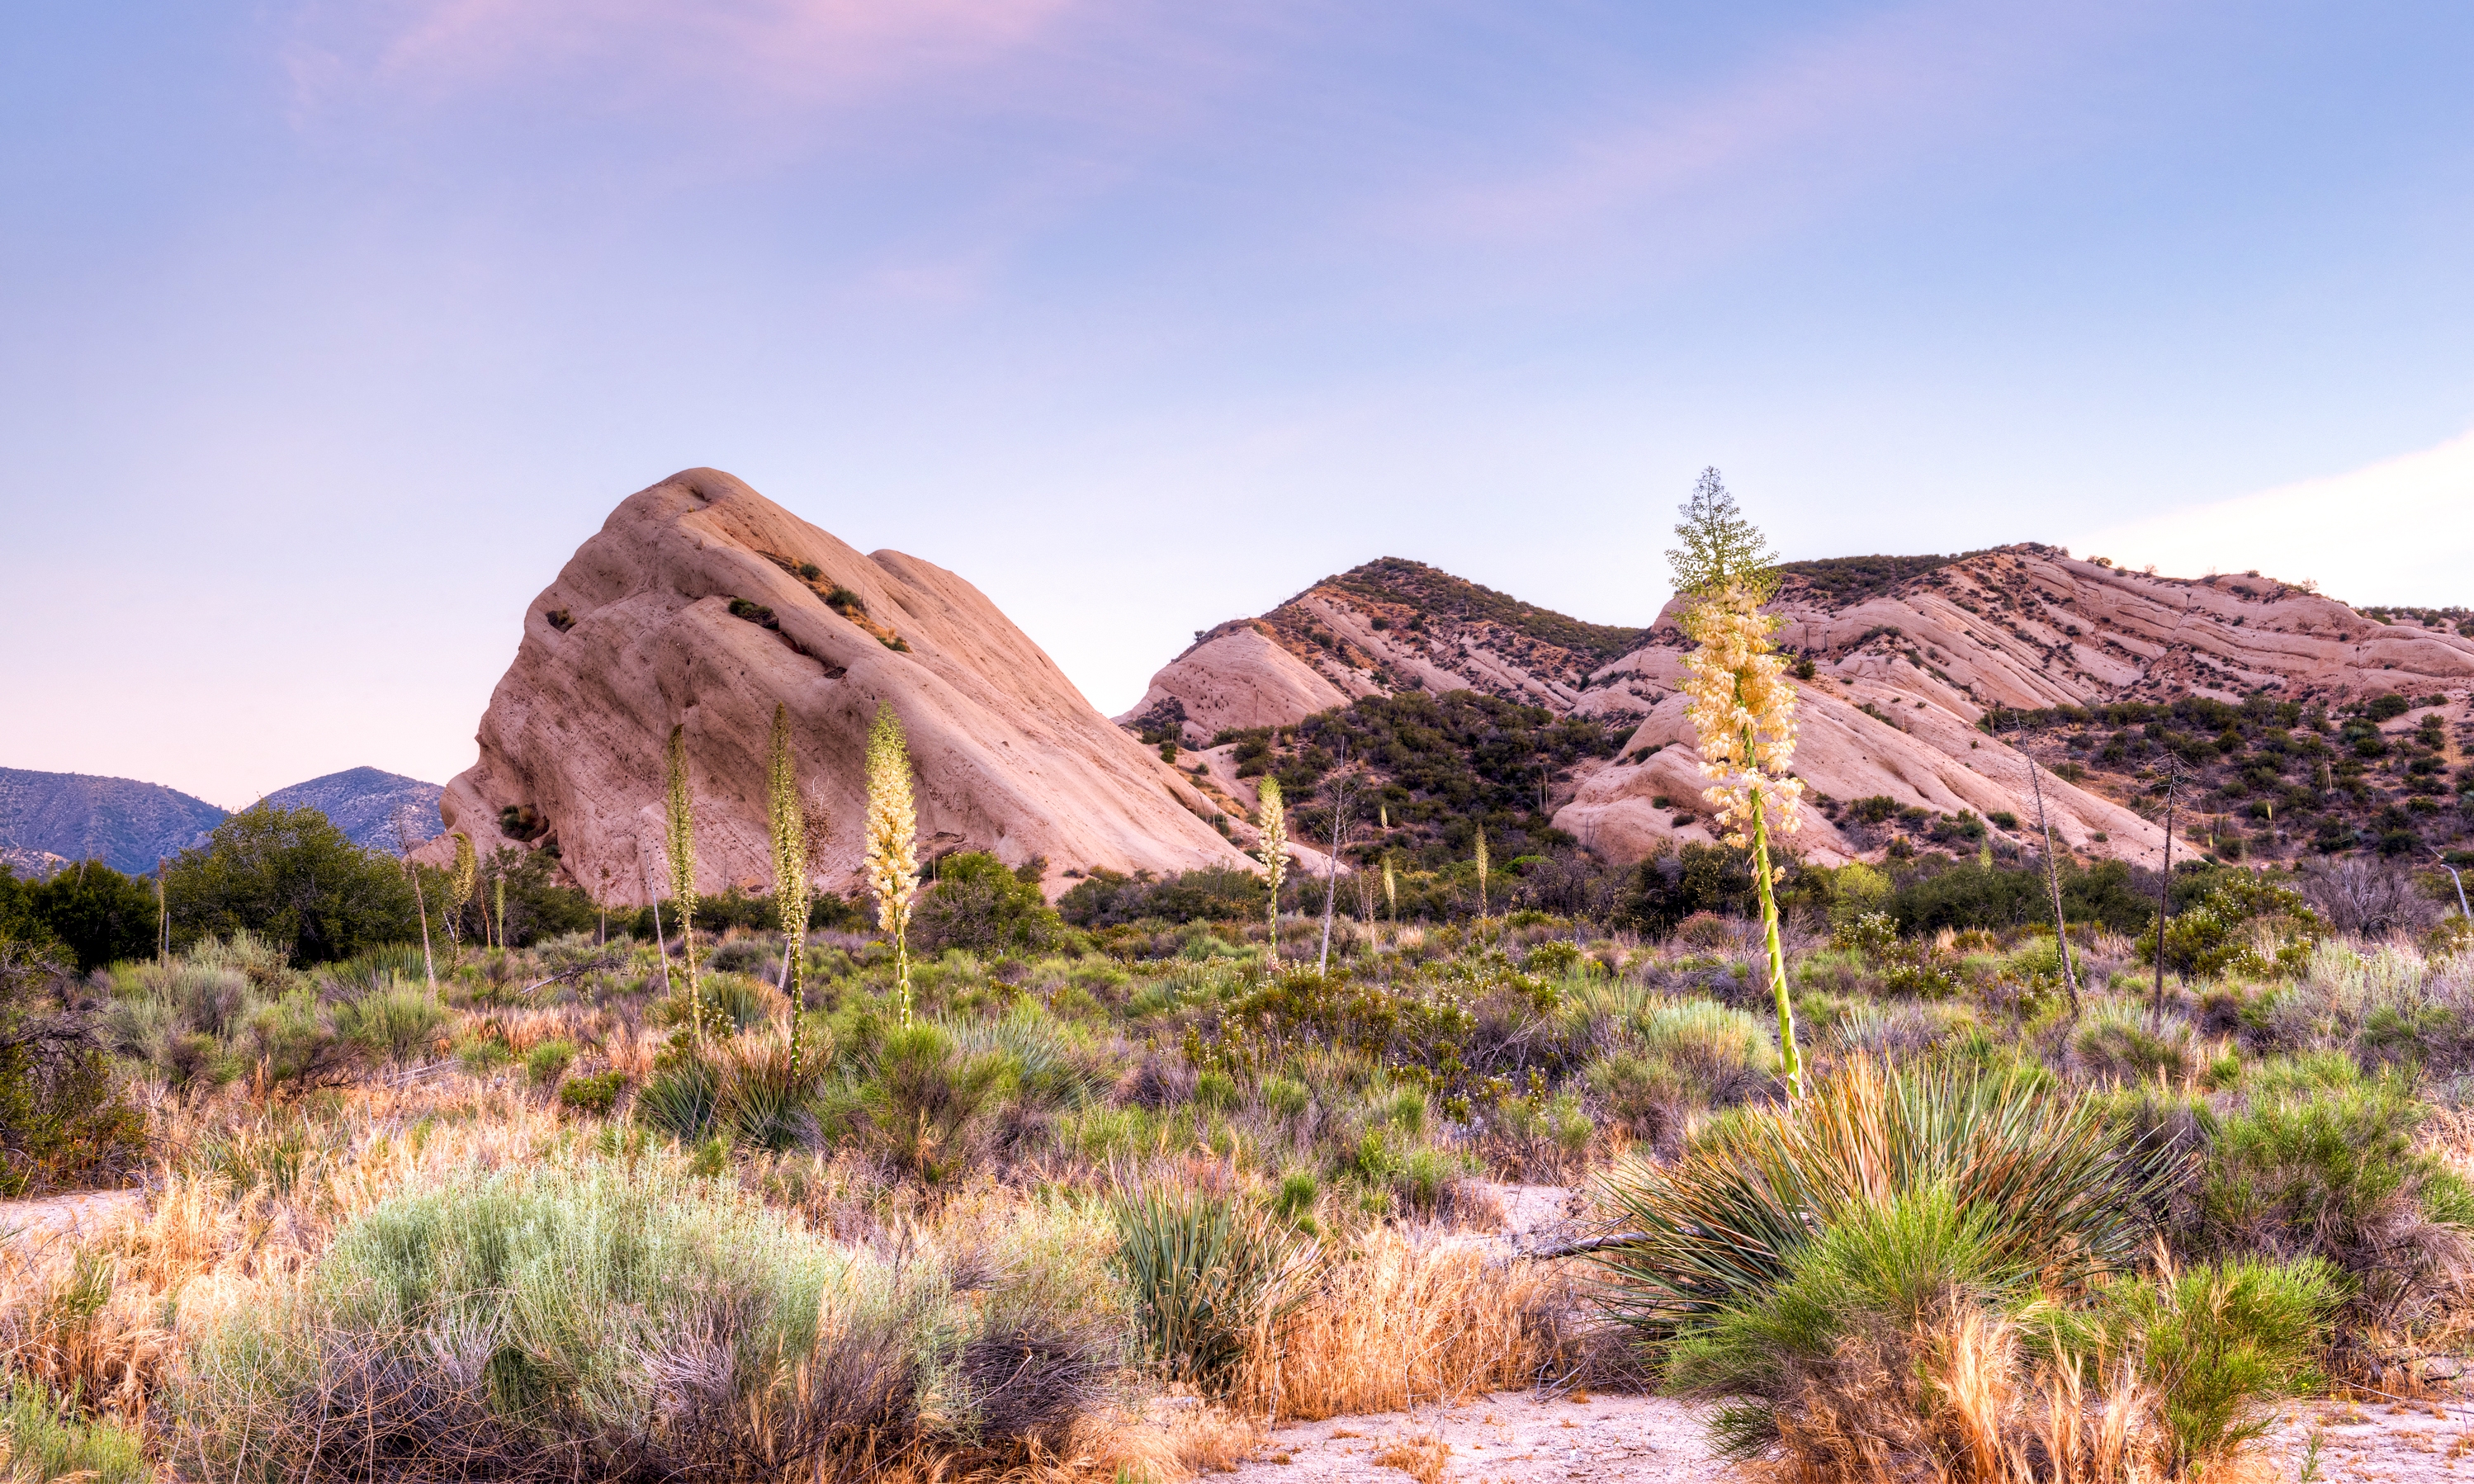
(1908, 655)
(1388, 626)
(702, 605)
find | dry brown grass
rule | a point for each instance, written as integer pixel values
(1421, 1458)
(1397, 1323)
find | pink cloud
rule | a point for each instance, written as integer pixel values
(797, 52)
(1824, 114)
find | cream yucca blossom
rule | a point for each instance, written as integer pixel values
(1741, 707)
(892, 863)
(1273, 853)
(786, 826)
(679, 846)
(1743, 712)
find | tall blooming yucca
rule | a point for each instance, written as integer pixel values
(787, 823)
(892, 867)
(1740, 704)
(1481, 872)
(680, 816)
(459, 890)
(1273, 853)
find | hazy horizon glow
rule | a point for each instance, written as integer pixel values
(336, 329)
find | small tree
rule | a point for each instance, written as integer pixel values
(1273, 852)
(787, 825)
(892, 859)
(680, 816)
(1742, 706)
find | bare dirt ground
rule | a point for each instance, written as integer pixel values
(2377, 1442)
(1512, 1437)
(85, 1214)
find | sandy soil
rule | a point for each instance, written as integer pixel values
(2401, 1442)
(1512, 1437)
(85, 1214)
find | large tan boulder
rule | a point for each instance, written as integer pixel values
(637, 635)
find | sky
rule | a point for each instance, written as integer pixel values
(332, 329)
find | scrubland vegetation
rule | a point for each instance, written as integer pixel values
(534, 1225)
(448, 1173)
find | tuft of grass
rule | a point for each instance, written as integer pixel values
(41, 1441)
(2056, 1188)
(1211, 1280)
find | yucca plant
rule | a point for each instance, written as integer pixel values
(892, 859)
(680, 841)
(1211, 1278)
(459, 890)
(787, 826)
(1273, 852)
(1742, 706)
(2056, 1191)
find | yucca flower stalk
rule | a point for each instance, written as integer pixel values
(892, 867)
(1273, 852)
(1742, 706)
(787, 823)
(1390, 894)
(459, 890)
(1481, 873)
(680, 816)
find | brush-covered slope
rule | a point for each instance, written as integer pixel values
(1907, 655)
(1388, 626)
(371, 806)
(702, 605)
(128, 825)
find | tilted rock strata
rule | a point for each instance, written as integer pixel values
(638, 634)
(2024, 627)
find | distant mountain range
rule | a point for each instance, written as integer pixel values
(47, 818)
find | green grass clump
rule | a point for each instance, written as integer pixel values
(45, 1441)
(2051, 1184)
(1208, 1274)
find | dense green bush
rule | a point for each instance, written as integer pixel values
(2316, 1160)
(976, 903)
(1866, 1294)
(294, 879)
(64, 1119)
(2217, 1343)
(1106, 898)
(94, 913)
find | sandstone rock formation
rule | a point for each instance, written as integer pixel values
(701, 603)
(1910, 655)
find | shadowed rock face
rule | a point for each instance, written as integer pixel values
(1908, 655)
(701, 603)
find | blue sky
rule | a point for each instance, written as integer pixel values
(333, 328)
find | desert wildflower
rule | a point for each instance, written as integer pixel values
(893, 862)
(1273, 853)
(1742, 706)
